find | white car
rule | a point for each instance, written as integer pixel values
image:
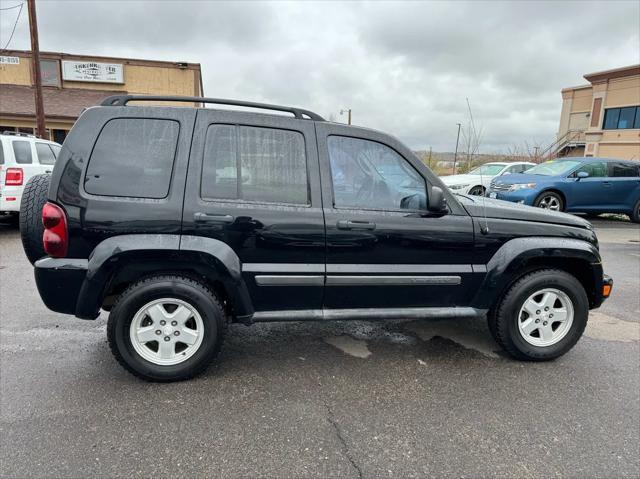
(477, 181)
(21, 157)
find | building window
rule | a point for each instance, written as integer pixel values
(622, 118)
(133, 157)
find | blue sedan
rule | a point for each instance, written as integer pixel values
(580, 185)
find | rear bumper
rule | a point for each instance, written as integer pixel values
(60, 283)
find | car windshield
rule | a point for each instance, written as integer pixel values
(553, 168)
(489, 170)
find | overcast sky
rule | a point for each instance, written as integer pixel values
(405, 68)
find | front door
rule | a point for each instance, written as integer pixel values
(592, 192)
(383, 248)
(254, 186)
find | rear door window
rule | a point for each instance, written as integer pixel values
(45, 154)
(133, 157)
(263, 165)
(624, 170)
(22, 152)
(1, 153)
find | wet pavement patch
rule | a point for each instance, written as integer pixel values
(608, 328)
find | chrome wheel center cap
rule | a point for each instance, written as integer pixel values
(167, 330)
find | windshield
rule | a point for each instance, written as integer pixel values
(489, 170)
(553, 168)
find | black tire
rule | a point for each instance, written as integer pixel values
(34, 196)
(592, 215)
(478, 190)
(503, 319)
(198, 295)
(543, 199)
(635, 214)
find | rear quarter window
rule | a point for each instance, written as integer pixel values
(45, 154)
(1, 153)
(133, 157)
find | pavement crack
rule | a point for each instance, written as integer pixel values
(345, 446)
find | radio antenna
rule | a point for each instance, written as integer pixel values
(484, 229)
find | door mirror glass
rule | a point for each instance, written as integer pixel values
(417, 201)
(437, 201)
(582, 174)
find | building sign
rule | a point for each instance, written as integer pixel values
(92, 72)
(50, 72)
(9, 60)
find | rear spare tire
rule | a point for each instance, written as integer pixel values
(34, 197)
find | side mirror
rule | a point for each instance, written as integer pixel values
(505, 173)
(582, 174)
(437, 202)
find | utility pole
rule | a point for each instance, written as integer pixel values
(35, 69)
(348, 116)
(455, 155)
(430, 148)
(535, 158)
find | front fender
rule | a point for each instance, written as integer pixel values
(515, 256)
(202, 253)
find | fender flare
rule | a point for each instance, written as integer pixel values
(512, 256)
(111, 253)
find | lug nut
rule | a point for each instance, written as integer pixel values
(538, 312)
(167, 338)
(174, 323)
(551, 316)
(176, 333)
(537, 320)
(163, 322)
(544, 324)
(547, 308)
(158, 332)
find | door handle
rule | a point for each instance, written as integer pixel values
(355, 225)
(606, 183)
(206, 218)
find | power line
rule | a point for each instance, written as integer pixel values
(11, 8)
(14, 25)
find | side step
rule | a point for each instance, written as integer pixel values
(366, 314)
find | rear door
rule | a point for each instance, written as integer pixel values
(45, 157)
(384, 250)
(253, 183)
(25, 157)
(625, 184)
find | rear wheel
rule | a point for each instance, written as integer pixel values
(166, 328)
(550, 201)
(541, 317)
(34, 196)
(477, 190)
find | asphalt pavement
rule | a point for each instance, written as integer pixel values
(346, 399)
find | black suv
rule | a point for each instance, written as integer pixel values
(181, 220)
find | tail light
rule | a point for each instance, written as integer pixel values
(56, 235)
(13, 177)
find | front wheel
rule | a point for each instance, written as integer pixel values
(166, 328)
(477, 191)
(541, 317)
(550, 201)
(635, 214)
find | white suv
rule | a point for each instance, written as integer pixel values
(477, 181)
(21, 157)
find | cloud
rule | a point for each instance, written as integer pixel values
(406, 68)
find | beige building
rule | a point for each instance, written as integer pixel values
(72, 83)
(602, 118)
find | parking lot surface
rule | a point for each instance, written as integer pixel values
(346, 399)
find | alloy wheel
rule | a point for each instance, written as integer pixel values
(166, 331)
(549, 202)
(545, 317)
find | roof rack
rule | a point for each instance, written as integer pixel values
(17, 133)
(122, 100)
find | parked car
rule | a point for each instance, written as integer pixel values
(21, 157)
(477, 181)
(577, 185)
(332, 222)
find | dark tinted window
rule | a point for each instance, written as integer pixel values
(622, 118)
(370, 175)
(623, 170)
(133, 157)
(596, 169)
(22, 152)
(45, 154)
(255, 164)
(1, 153)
